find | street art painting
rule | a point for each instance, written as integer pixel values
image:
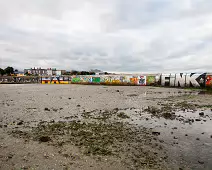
(195, 80)
(182, 80)
(142, 80)
(86, 79)
(178, 80)
(95, 79)
(150, 80)
(75, 80)
(55, 80)
(105, 79)
(125, 79)
(134, 80)
(63, 80)
(116, 80)
(45, 80)
(208, 81)
(19, 80)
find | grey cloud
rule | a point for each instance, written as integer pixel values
(113, 35)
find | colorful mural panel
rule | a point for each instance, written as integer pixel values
(75, 80)
(182, 80)
(55, 80)
(209, 80)
(45, 80)
(151, 80)
(95, 79)
(116, 80)
(142, 80)
(134, 80)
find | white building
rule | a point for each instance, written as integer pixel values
(58, 72)
(49, 72)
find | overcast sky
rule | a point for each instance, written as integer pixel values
(111, 35)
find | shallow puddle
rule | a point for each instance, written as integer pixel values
(187, 138)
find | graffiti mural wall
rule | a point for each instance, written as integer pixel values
(54, 80)
(184, 80)
(19, 80)
(172, 80)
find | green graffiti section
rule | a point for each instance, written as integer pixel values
(96, 80)
(76, 80)
(151, 80)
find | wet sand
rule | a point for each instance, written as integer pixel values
(104, 127)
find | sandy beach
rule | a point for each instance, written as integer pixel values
(104, 127)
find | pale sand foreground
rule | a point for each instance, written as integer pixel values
(181, 143)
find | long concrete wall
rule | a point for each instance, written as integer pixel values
(172, 80)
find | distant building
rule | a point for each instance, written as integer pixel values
(59, 72)
(44, 72)
(55, 72)
(36, 71)
(49, 72)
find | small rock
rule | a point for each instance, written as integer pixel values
(197, 139)
(54, 110)
(44, 139)
(175, 137)
(78, 105)
(147, 118)
(10, 155)
(165, 123)
(52, 121)
(115, 109)
(47, 109)
(186, 134)
(156, 133)
(117, 91)
(1, 126)
(5, 125)
(187, 121)
(69, 98)
(201, 113)
(172, 132)
(200, 162)
(174, 128)
(211, 136)
(46, 156)
(203, 133)
(197, 119)
(20, 123)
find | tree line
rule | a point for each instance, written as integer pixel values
(74, 72)
(7, 71)
(10, 71)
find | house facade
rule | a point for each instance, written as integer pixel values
(36, 71)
